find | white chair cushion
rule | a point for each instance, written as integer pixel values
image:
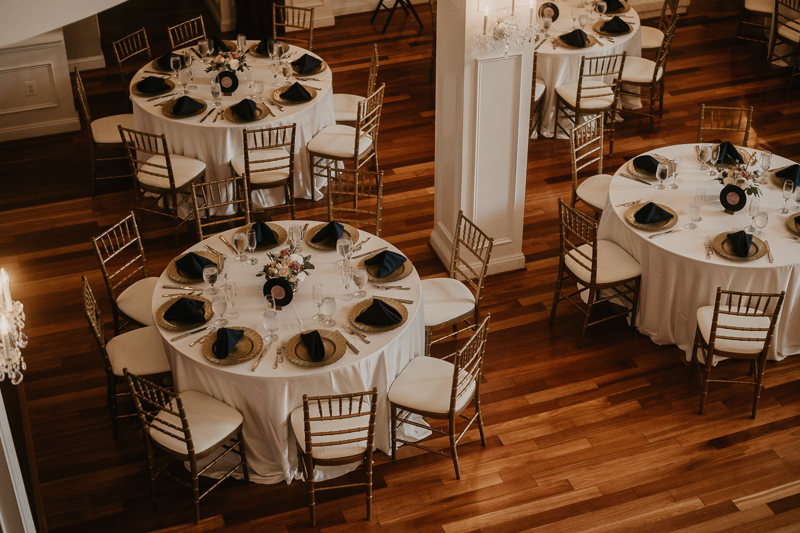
(640, 70)
(137, 301)
(425, 385)
(338, 141)
(444, 299)
(257, 176)
(613, 264)
(210, 421)
(760, 6)
(185, 169)
(589, 98)
(538, 90)
(104, 130)
(141, 351)
(790, 31)
(705, 315)
(651, 38)
(345, 107)
(594, 191)
(330, 452)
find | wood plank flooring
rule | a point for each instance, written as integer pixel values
(603, 438)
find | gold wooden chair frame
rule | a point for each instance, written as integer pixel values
(297, 18)
(738, 317)
(579, 248)
(725, 119)
(786, 30)
(754, 10)
(345, 106)
(187, 32)
(669, 12)
(129, 47)
(356, 198)
(268, 163)
(586, 142)
(467, 366)
(536, 103)
(434, 11)
(163, 411)
(220, 195)
(341, 413)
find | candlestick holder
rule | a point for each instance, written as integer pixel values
(13, 341)
(508, 30)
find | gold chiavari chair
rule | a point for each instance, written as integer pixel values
(355, 145)
(759, 10)
(187, 427)
(448, 301)
(121, 255)
(440, 389)
(295, 18)
(335, 430)
(537, 97)
(736, 119)
(595, 265)
(104, 134)
(141, 349)
(130, 47)
(345, 106)
(167, 177)
(356, 198)
(594, 93)
(213, 199)
(652, 38)
(187, 32)
(586, 141)
(739, 325)
(786, 31)
(268, 162)
(432, 68)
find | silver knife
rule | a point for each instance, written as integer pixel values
(640, 180)
(349, 345)
(540, 43)
(261, 356)
(184, 335)
(223, 239)
(179, 287)
(391, 287)
(213, 251)
(207, 114)
(769, 252)
(664, 233)
(373, 252)
(358, 334)
(201, 339)
(411, 301)
(160, 97)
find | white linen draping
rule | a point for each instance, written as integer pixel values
(676, 277)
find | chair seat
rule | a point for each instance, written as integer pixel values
(104, 130)
(705, 315)
(331, 452)
(425, 384)
(141, 351)
(137, 301)
(613, 264)
(766, 7)
(790, 31)
(589, 99)
(640, 70)
(210, 421)
(651, 38)
(261, 177)
(593, 191)
(538, 90)
(345, 107)
(184, 169)
(338, 141)
(444, 299)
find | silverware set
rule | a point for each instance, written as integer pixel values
(204, 337)
(228, 244)
(174, 294)
(207, 115)
(769, 251)
(162, 96)
(261, 356)
(349, 345)
(391, 287)
(665, 233)
(184, 335)
(358, 334)
(709, 249)
(373, 252)
(628, 204)
(279, 356)
(181, 287)
(641, 180)
(218, 115)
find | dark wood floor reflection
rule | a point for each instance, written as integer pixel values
(603, 438)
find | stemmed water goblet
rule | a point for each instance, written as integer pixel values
(700, 199)
(576, 11)
(318, 294)
(216, 90)
(788, 189)
(230, 292)
(251, 246)
(583, 19)
(205, 53)
(694, 216)
(210, 275)
(183, 80)
(347, 277)
(296, 237)
(222, 266)
(704, 155)
(344, 246)
(188, 59)
(662, 172)
(175, 64)
(674, 164)
(219, 304)
(241, 42)
(258, 85)
(270, 321)
(764, 162)
(547, 23)
(762, 218)
(601, 8)
(752, 210)
(796, 198)
(328, 308)
(360, 279)
(240, 244)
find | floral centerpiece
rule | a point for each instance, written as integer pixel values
(229, 60)
(287, 264)
(740, 176)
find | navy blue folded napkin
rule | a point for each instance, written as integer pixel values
(245, 110)
(790, 173)
(264, 234)
(740, 243)
(185, 310)
(219, 45)
(297, 93)
(226, 342)
(379, 314)
(614, 6)
(165, 61)
(306, 64)
(152, 85)
(332, 231)
(728, 154)
(615, 25)
(313, 343)
(191, 265)
(576, 38)
(650, 213)
(186, 105)
(265, 46)
(797, 220)
(647, 163)
(387, 262)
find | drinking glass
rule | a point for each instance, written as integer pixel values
(713, 159)
(240, 243)
(277, 51)
(216, 90)
(296, 236)
(318, 294)
(327, 308)
(343, 246)
(347, 277)
(796, 197)
(583, 20)
(704, 155)
(204, 51)
(761, 222)
(222, 267)
(765, 162)
(210, 274)
(230, 292)
(269, 303)
(175, 64)
(547, 23)
(674, 164)
(694, 216)
(601, 8)
(752, 210)
(183, 79)
(788, 189)
(270, 321)
(219, 304)
(241, 42)
(275, 67)
(700, 199)
(259, 88)
(251, 246)
(287, 71)
(576, 11)
(360, 279)
(188, 59)
(662, 172)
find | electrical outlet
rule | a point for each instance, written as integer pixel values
(30, 88)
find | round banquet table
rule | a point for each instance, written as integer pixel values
(267, 396)
(559, 66)
(216, 143)
(677, 278)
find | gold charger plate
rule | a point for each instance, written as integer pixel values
(167, 109)
(278, 92)
(777, 179)
(173, 273)
(721, 166)
(182, 326)
(361, 306)
(625, 8)
(792, 224)
(641, 173)
(282, 235)
(335, 346)
(155, 66)
(254, 46)
(722, 246)
(590, 41)
(261, 112)
(348, 229)
(137, 92)
(401, 272)
(599, 24)
(664, 224)
(321, 68)
(248, 347)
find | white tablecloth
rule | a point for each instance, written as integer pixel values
(216, 143)
(267, 397)
(676, 277)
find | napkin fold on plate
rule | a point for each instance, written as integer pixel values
(264, 234)
(152, 85)
(219, 45)
(790, 173)
(245, 110)
(387, 262)
(306, 64)
(191, 265)
(227, 339)
(265, 46)
(614, 6)
(615, 25)
(576, 38)
(379, 314)
(728, 154)
(165, 61)
(332, 230)
(313, 343)
(186, 105)
(651, 213)
(297, 93)
(186, 310)
(647, 163)
(740, 243)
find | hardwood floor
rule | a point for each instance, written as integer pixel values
(603, 438)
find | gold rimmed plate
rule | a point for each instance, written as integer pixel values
(777, 179)
(401, 272)
(335, 346)
(349, 231)
(279, 231)
(598, 27)
(261, 112)
(180, 277)
(639, 173)
(254, 47)
(166, 109)
(625, 8)
(279, 91)
(792, 223)
(746, 156)
(182, 326)
(137, 92)
(155, 66)
(723, 247)
(590, 41)
(359, 308)
(321, 68)
(656, 226)
(248, 347)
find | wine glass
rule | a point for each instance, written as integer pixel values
(222, 266)
(202, 46)
(240, 244)
(752, 210)
(764, 163)
(327, 308)
(241, 42)
(270, 321)
(576, 11)
(662, 172)
(216, 90)
(762, 218)
(601, 8)
(251, 246)
(210, 274)
(796, 197)
(547, 23)
(188, 59)
(788, 189)
(230, 292)
(674, 164)
(259, 88)
(318, 294)
(343, 246)
(275, 67)
(183, 79)
(219, 304)
(277, 51)
(694, 216)
(360, 279)
(700, 199)
(347, 277)
(713, 160)
(269, 303)
(296, 236)
(704, 155)
(175, 64)
(583, 19)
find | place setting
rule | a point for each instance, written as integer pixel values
(247, 111)
(325, 236)
(739, 246)
(294, 94)
(183, 107)
(386, 267)
(651, 216)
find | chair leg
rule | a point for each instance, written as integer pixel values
(151, 467)
(559, 282)
(428, 333)
(196, 493)
(589, 304)
(480, 418)
(706, 377)
(368, 471)
(245, 471)
(762, 361)
(312, 495)
(393, 420)
(453, 450)
(112, 397)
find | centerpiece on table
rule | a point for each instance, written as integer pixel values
(226, 62)
(285, 270)
(741, 177)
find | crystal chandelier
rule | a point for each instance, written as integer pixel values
(12, 320)
(508, 30)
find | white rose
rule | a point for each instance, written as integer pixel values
(234, 64)
(283, 272)
(301, 276)
(727, 180)
(219, 59)
(296, 257)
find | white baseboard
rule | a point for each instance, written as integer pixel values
(40, 128)
(87, 63)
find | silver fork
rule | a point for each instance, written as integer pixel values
(709, 249)
(279, 356)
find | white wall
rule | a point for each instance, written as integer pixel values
(15, 512)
